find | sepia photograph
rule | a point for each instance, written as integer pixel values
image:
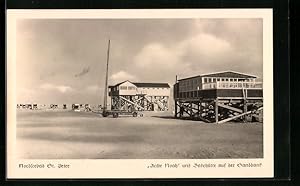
(140, 88)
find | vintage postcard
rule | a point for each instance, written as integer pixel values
(173, 93)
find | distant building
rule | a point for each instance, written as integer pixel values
(34, 106)
(76, 107)
(140, 96)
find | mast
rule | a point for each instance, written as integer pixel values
(106, 79)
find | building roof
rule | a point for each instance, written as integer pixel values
(225, 74)
(230, 74)
(120, 83)
(158, 85)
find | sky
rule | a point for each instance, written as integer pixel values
(64, 60)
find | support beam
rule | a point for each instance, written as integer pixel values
(187, 109)
(230, 108)
(139, 99)
(131, 102)
(234, 117)
(237, 116)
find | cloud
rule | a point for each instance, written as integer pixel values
(60, 88)
(181, 57)
(122, 76)
(83, 72)
(155, 54)
(47, 75)
(205, 45)
(93, 88)
(144, 50)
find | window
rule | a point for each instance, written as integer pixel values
(218, 79)
(131, 88)
(123, 87)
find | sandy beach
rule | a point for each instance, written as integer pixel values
(59, 134)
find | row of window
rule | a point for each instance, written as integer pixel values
(194, 83)
(127, 88)
(133, 88)
(193, 94)
(211, 80)
(189, 87)
(190, 82)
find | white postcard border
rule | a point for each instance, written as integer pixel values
(137, 168)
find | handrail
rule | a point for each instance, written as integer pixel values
(232, 85)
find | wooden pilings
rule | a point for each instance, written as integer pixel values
(216, 110)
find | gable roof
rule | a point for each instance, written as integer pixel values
(225, 74)
(121, 83)
(156, 85)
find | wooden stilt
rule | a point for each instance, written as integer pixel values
(198, 109)
(191, 109)
(119, 103)
(175, 109)
(217, 111)
(180, 109)
(245, 110)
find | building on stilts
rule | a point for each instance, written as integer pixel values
(130, 96)
(219, 97)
